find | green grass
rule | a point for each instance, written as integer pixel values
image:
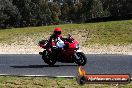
(113, 32)
(45, 82)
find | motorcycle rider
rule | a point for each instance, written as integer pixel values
(55, 40)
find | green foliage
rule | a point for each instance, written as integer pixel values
(65, 11)
(9, 14)
(21, 13)
(55, 10)
(96, 9)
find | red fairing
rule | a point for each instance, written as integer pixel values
(72, 45)
(41, 45)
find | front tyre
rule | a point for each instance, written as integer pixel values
(80, 58)
(48, 58)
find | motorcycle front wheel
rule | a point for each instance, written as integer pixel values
(80, 58)
(48, 58)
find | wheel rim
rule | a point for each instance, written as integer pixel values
(80, 59)
(49, 59)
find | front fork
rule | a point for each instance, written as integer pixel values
(76, 57)
(75, 54)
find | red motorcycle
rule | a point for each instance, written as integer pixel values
(69, 54)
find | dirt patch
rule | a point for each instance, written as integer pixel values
(91, 49)
(108, 49)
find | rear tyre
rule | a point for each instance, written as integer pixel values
(48, 58)
(80, 58)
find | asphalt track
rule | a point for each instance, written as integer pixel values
(33, 65)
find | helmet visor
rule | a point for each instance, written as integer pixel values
(57, 32)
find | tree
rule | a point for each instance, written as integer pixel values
(96, 9)
(55, 10)
(45, 12)
(9, 13)
(79, 12)
(28, 11)
(65, 11)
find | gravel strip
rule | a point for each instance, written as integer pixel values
(93, 49)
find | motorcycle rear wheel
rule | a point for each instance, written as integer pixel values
(82, 59)
(48, 58)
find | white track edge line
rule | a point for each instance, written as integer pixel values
(42, 76)
(36, 75)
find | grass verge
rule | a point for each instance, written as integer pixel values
(113, 32)
(45, 82)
